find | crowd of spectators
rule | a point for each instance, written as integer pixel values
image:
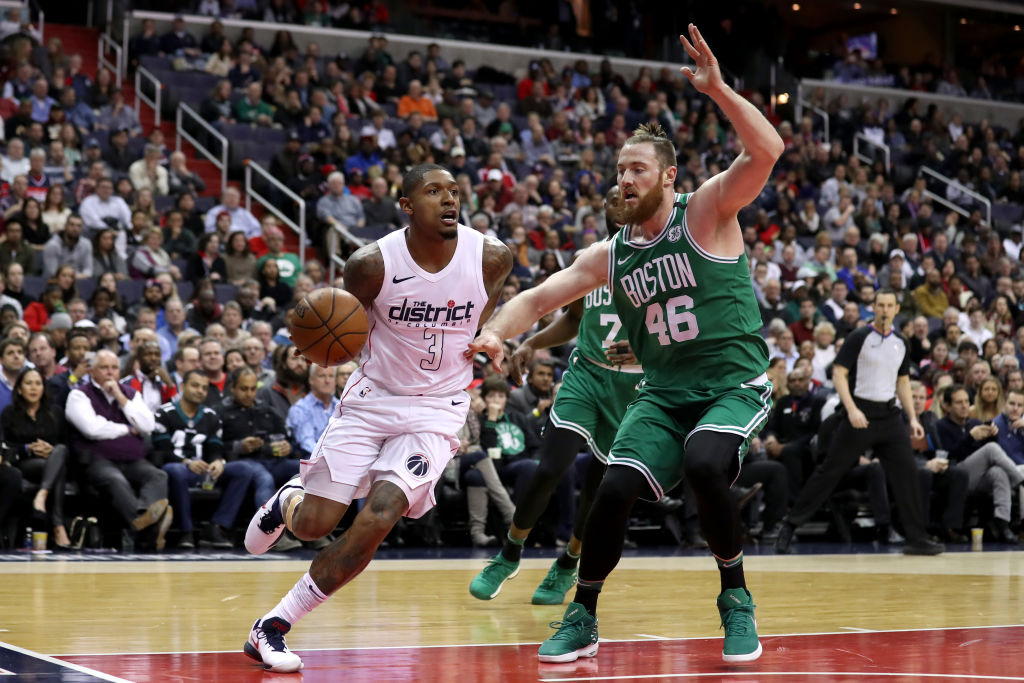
(210, 395)
(991, 78)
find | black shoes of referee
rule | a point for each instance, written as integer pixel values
(922, 546)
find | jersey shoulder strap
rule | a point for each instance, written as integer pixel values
(681, 200)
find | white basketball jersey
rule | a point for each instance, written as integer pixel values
(421, 323)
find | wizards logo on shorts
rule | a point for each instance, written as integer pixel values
(418, 465)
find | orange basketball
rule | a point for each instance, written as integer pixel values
(329, 326)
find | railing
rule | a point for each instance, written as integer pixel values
(33, 7)
(1005, 114)
(220, 162)
(251, 193)
(28, 8)
(337, 233)
(801, 103)
(952, 206)
(824, 117)
(861, 137)
(505, 57)
(141, 74)
(117, 66)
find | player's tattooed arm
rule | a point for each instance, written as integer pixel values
(364, 274)
(497, 264)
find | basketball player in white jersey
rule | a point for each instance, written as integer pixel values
(426, 291)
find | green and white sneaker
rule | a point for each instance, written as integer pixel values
(736, 607)
(555, 585)
(488, 583)
(575, 637)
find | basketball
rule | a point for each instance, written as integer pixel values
(329, 327)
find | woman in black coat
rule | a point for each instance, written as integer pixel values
(207, 261)
(34, 442)
(272, 286)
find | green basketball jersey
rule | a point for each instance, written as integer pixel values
(600, 325)
(692, 317)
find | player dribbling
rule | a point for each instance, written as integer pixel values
(426, 290)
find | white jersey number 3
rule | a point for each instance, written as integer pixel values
(435, 349)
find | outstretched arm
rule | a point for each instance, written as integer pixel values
(589, 271)
(740, 184)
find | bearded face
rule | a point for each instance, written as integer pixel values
(633, 208)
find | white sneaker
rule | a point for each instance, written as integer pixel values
(266, 645)
(267, 525)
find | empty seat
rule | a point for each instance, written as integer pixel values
(225, 292)
(131, 290)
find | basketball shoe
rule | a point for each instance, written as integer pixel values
(575, 636)
(736, 607)
(266, 645)
(555, 585)
(267, 525)
(488, 583)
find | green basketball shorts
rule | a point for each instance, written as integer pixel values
(657, 425)
(592, 401)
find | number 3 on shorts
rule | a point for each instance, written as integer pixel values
(682, 326)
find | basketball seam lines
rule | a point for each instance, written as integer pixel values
(330, 330)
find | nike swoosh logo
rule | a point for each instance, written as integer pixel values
(623, 260)
(395, 279)
(457, 403)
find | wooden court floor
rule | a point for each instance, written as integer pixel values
(77, 610)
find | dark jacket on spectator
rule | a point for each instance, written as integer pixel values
(58, 387)
(196, 268)
(19, 429)
(506, 432)
(958, 440)
(238, 423)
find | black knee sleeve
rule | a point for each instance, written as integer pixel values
(606, 525)
(710, 456)
(557, 455)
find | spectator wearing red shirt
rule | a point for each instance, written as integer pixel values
(803, 329)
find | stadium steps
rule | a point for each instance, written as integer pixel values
(83, 40)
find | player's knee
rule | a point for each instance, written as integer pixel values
(710, 456)
(551, 470)
(384, 507)
(311, 529)
(621, 485)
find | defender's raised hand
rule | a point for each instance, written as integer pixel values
(707, 78)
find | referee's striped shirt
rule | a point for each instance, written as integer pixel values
(874, 362)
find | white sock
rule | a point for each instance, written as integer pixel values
(302, 599)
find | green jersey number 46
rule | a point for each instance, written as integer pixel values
(673, 323)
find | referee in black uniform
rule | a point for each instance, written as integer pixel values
(870, 370)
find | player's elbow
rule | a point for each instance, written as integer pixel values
(768, 148)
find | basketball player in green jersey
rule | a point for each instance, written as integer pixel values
(599, 384)
(680, 282)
